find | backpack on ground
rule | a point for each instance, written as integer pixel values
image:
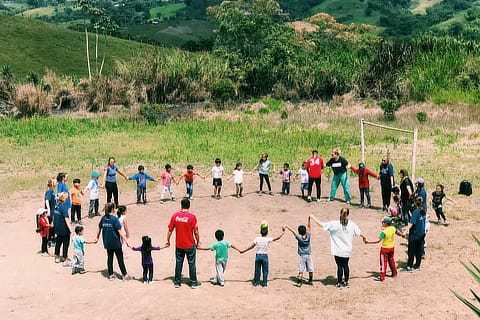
(465, 188)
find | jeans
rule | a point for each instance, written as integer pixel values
(343, 271)
(415, 251)
(386, 194)
(119, 253)
(191, 254)
(365, 192)
(340, 178)
(406, 211)
(267, 180)
(93, 208)
(147, 272)
(112, 189)
(189, 186)
(261, 264)
(286, 187)
(318, 183)
(141, 194)
(62, 241)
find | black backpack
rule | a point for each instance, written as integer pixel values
(465, 188)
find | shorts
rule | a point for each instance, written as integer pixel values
(304, 186)
(217, 182)
(305, 263)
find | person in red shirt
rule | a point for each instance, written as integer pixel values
(363, 183)
(314, 167)
(187, 239)
(43, 228)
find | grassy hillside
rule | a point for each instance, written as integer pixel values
(30, 45)
(166, 12)
(420, 6)
(347, 11)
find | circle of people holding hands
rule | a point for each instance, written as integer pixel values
(409, 209)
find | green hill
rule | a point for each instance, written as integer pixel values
(31, 45)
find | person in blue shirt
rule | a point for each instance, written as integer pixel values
(62, 179)
(141, 177)
(416, 236)
(62, 229)
(110, 180)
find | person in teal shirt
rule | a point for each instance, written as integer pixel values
(221, 256)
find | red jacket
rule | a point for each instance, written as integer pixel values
(363, 177)
(44, 227)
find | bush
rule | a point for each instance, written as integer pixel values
(31, 101)
(422, 117)
(155, 113)
(223, 90)
(389, 108)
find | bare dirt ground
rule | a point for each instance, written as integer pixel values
(34, 286)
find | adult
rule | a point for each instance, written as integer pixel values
(420, 192)
(416, 236)
(340, 166)
(62, 179)
(341, 233)
(314, 167)
(387, 181)
(187, 238)
(406, 195)
(62, 229)
(110, 180)
(109, 226)
(264, 166)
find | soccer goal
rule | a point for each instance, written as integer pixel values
(414, 148)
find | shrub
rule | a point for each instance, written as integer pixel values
(30, 101)
(389, 108)
(223, 90)
(155, 113)
(422, 117)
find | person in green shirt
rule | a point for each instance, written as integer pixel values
(221, 256)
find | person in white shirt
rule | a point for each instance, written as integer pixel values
(217, 172)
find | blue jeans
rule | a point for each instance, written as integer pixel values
(261, 262)
(180, 254)
(189, 186)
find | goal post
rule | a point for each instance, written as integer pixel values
(415, 138)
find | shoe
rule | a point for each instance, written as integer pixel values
(255, 284)
(368, 206)
(161, 201)
(145, 282)
(191, 198)
(45, 254)
(144, 203)
(214, 282)
(80, 222)
(329, 200)
(346, 284)
(218, 197)
(67, 264)
(348, 203)
(127, 277)
(82, 271)
(298, 284)
(57, 260)
(309, 199)
(150, 282)
(138, 202)
(196, 285)
(377, 279)
(445, 223)
(222, 284)
(416, 269)
(438, 221)
(176, 285)
(241, 195)
(173, 199)
(361, 206)
(318, 200)
(407, 269)
(111, 277)
(270, 193)
(338, 286)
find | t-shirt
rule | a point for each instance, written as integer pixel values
(76, 196)
(184, 223)
(262, 243)
(403, 189)
(141, 179)
(221, 250)
(314, 167)
(341, 237)
(422, 193)
(52, 200)
(62, 187)
(264, 166)
(437, 199)
(363, 181)
(110, 226)
(146, 258)
(388, 237)
(93, 187)
(418, 221)
(339, 166)
(238, 176)
(304, 247)
(122, 219)
(286, 175)
(166, 178)
(79, 243)
(303, 173)
(59, 223)
(188, 177)
(111, 174)
(217, 172)
(386, 171)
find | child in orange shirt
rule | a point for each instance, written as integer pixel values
(188, 177)
(76, 194)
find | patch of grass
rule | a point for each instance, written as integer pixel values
(347, 11)
(446, 139)
(166, 12)
(39, 12)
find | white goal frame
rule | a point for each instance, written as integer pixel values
(415, 138)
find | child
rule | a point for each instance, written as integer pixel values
(147, 260)
(261, 257)
(50, 203)
(217, 172)
(304, 251)
(286, 174)
(167, 178)
(188, 177)
(221, 256)
(387, 250)
(141, 177)
(76, 195)
(303, 173)
(121, 214)
(43, 228)
(264, 165)
(363, 183)
(238, 174)
(437, 197)
(79, 242)
(93, 186)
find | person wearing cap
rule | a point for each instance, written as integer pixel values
(387, 250)
(387, 181)
(364, 183)
(43, 228)
(339, 166)
(420, 191)
(314, 167)
(93, 186)
(416, 236)
(141, 177)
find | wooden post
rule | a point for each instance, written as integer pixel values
(414, 153)
(362, 139)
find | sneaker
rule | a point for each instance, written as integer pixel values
(218, 197)
(416, 269)
(161, 201)
(377, 279)
(361, 206)
(318, 200)
(45, 254)
(173, 199)
(222, 284)
(145, 282)
(309, 199)
(407, 269)
(446, 223)
(196, 285)
(438, 221)
(127, 277)
(191, 198)
(348, 203)
(298, 284)
(329, 200)
(346, 284)
(338, 286)
(255, 284)
(270, 193)
(67, 264)
(82, 271)
(176, 285)
(241, 195)
(368, 206)
(111, 277)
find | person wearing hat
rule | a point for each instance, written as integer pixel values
(364, 183)
(387, 250)
(43, 229)
(92, 186)
(420, 192)
(141, 177)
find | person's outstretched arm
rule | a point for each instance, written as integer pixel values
(315, 219)
(289, 229)
(280, 236)
(249, 248)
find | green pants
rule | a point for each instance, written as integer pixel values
(343, 179)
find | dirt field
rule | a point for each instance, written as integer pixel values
(36, 286)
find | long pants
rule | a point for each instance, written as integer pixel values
(220, 267)
(261, 265)
(76, 211)
(365, 192)
(439, 213)
(112, 189)
(340, 178)
(189, 187)
(169, 190)
(318, 185)
(343, 271)
(141, 194)
(62, 241)
(191, 254)
(238, 189)
(147, 272)
(286, 187)
(78, 261)
(386, 195)
(406, 212)
(415, 251)
(119, 254)
(387, 256)
(93, 208)
(267, 180)
(44, 244)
